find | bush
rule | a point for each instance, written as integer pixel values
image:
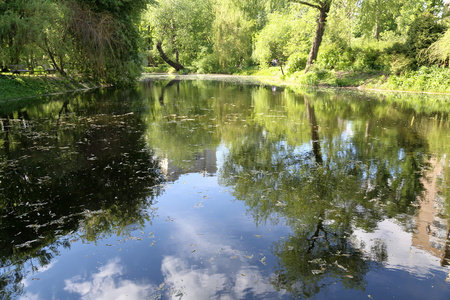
(316, 76)
(431, 79)
(331, 56)
(424, 31)
(367, 58)
(296, 62)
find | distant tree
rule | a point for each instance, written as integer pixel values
(181, 30)
(376, 16)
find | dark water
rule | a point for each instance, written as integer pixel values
(195, 189)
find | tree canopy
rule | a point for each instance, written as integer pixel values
(111, 41)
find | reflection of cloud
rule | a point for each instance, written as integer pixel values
(214, 270)
(398, 248)
(103, 285)
(207, 282)
(26, 282)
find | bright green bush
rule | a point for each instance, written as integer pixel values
(332, 56)
(432, 79)
(296, 62)
(317, 76)
(367, 58)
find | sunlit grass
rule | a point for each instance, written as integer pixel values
(16, 87)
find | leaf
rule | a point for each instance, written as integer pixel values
(263, 260)
(342, 267)
(317, 272)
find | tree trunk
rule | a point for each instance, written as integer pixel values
(175, 65)
(324, 10)
(376, 34)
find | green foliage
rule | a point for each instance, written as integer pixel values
(439, 51)
(332, 56)
(316, 76)
(232, 35)
(296, 62)
(96, 38)
(22, 27)
(182, 27)
(424, 31)
(208, 64)
(272, 39)
(433, 79)
(107, 41)
(285, 33)
(377, 16)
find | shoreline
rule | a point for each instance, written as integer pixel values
(26, 87)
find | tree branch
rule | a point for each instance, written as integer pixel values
(306, 3)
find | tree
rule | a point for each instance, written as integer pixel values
(107, 38)
(286, 34)
(324, 7)
(423, 32)
(376, 16)
(233, 31)
(21, 26)
(181, 30)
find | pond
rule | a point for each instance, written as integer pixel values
(186, 188)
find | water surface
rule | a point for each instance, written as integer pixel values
(183, 188)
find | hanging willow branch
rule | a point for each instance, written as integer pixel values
(96, 36)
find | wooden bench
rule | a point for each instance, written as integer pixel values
(17, 69)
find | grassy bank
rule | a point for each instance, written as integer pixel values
(16, 87)
(317, 77)
(425, 79)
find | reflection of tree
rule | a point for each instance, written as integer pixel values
(172, 82)
(89, 172)
(193, 117)
(314, 130)
(353, 178)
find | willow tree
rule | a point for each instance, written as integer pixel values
(106, 35)
(324, 7)
(22, 24)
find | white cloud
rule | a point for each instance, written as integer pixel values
(402, 254)
(106, 285)
(216, 269)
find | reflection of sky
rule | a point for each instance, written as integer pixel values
(200, 245)
(214, 251)
(106, 284)
(212, 266)
(401, 254)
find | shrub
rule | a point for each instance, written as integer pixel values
(296, 62)
(331, 56)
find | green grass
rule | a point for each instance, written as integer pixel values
(16, 87)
